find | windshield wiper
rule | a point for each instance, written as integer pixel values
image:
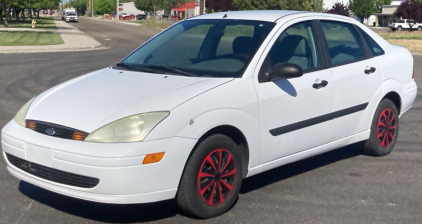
(170, 69)
(136, 68)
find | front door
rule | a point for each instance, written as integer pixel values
(295, 112)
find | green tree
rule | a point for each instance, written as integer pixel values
(7, 8)
(146, 5)
(104, 6)
(256, 4)
(380, 3)
(80, 5)
(301, 5)
(362, 8)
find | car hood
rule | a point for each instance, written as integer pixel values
(96, 99)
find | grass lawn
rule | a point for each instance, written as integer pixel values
(410, 40)
(136, 21)
(42, 23)
(29, 39)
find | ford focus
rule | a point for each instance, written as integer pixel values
(210, 101)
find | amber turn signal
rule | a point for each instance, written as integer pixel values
(80, 136)
(31, 125)
(153, 158)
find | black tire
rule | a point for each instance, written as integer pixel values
(399, 28)
(383, 145)
(419, 28)
(189, 198)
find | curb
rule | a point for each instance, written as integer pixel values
(54, 50)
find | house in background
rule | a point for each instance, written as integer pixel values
(387, 14)
(185, 11)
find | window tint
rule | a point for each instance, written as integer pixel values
(198, 47)
(375, 48)
(296, 45)
(343, 42)
(235, 38)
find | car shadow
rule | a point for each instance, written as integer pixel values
(110, 213)
(286, 86)
(293, 169)
(113, 213)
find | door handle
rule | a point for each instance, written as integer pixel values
(319, 84)
(369, 70)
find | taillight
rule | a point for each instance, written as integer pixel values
(394, 24)
(413, 73)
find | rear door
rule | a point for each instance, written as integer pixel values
(356, 77)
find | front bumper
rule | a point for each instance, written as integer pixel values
(123, 179)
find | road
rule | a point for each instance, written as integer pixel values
(342, 186)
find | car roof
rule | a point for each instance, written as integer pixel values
(262, 15)
(268, 15)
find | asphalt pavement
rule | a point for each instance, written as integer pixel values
(341, 186)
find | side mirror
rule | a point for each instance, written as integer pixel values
(285, 71)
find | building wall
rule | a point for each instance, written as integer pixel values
(389, 9)
(130, 8)
(329, 3)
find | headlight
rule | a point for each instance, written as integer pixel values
(129, 129)
(20, 116)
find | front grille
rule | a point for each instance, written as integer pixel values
(53, 175)
(56, 130)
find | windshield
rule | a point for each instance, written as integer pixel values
(212, 48)
(71, 14)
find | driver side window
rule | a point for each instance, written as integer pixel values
(296, 45)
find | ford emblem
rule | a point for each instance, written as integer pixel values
(50, 131)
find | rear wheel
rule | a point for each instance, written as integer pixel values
(211, 181)
(419, 28)
(384, 130)
(399, 28)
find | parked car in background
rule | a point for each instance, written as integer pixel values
(164, 16)
(71, 17)
(405, 24)
(125, 16)
(267, 88)
(141, 17)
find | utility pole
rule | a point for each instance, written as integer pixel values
(92, 8)
(201, 7)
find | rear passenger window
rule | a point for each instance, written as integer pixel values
(343, 42)
(375, 48)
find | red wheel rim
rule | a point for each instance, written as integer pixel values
(386, 128)
(216, 177)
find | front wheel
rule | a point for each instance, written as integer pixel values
(384, 130)
(212, 177)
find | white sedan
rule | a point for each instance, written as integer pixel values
(71, 16)
(210, 101)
